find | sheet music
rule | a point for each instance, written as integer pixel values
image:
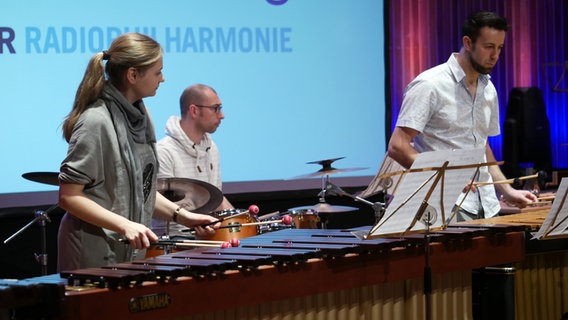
(409, 196)
(556, 222)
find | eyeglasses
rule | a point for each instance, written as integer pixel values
(215, 108)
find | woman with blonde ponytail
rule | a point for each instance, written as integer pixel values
(108, 178)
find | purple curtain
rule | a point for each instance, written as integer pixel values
(423, 33)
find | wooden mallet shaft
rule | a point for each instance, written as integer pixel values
(507, 181)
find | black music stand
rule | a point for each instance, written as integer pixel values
(385, 179)
(556, 75)
(436, 179)
(555, 224)
(427, 190)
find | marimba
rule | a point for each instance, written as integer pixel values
(541, 279)
(31, 299)
(296, 274)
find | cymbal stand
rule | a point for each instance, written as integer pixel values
(321, 195)
(41, 217)
(167, 249)
(324, 182)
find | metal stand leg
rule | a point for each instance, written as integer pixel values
(41, 217)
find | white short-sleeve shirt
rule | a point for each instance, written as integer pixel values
(438, 105)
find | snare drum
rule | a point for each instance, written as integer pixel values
(238, 232)
(305, 219)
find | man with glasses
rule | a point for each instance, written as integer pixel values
(187, 150)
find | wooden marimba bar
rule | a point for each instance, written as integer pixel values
(276, 266)
(282, 248)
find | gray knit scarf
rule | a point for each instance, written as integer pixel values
(132, 124)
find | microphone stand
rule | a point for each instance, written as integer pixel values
(428, 217)
(41, 217)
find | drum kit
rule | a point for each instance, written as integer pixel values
(307, 214)
(202, 197)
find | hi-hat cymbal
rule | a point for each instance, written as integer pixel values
(194, 195)
(325, 207)
(51, 178)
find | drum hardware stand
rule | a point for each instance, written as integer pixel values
(321, 195)
(324, 172)
(167, 249)
(378, 207)
(166, 245)
(41, 217)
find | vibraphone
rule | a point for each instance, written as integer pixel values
(298, 274)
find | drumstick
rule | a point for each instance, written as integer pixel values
(546, 197)
(508, 181)
(287, 220)
(540, 203)
(252, 209)
(223, 244)
(212, 245)
(198, 243)
(235, 242)
(169, 242)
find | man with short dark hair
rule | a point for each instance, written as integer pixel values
(454, 106)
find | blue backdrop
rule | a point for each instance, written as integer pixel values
(300, 81)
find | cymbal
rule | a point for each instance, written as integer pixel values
(325, 207)
(327, 169)
(195, 195)
(325, 163)
(330, 171)
(51, 178)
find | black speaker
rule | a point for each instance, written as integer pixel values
(526, 134)
(493, 293)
